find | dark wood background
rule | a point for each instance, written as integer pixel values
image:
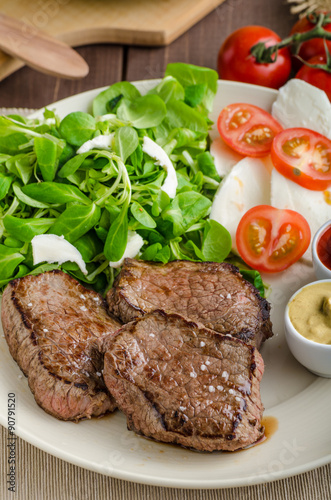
(110, 63)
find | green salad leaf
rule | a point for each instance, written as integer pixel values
(54, 192)
(77, 128)
(126, 142)
(26, 229)
(144, 112)
(101, 199)
(216, 244)
(200, 83)
(10, 258)
(75, 221)
(47, 157)
(117, 236)
(104, 102)
(5, 183)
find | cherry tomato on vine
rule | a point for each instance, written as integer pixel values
(236, 63)
(304, 157)
(270, 239)
(316, 76)
(247, 129)
(313, 47)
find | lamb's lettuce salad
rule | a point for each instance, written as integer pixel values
(96, 198)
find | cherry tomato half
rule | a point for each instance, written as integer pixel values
(235, 61)
(312, 47)
(247, 129)
(315, 76)
(304, 157)
(270, 240)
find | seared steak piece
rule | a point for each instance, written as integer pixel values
(50, 321)
(181, 383)
(213, 294)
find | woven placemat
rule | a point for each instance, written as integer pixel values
(16, 111)
(40, 476)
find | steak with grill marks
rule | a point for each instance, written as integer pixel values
(210, 293)
(50, 322)
(178, 382)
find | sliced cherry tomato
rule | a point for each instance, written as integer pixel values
(316, 76)
(235, 61)
(304, 157)
(270, 240)
(247, 129)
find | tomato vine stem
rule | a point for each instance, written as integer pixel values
(264, 55)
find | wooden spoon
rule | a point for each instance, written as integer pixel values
(39, 50)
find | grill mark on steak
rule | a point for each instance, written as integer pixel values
(213, 294)
(178, 382)
(50, 322)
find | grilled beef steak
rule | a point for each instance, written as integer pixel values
(213, 294)
(50, 321)
(181, 383)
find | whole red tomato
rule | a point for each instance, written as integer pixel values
(315, 76)
(312, 47)
(235, 61)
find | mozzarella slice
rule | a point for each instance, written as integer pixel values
(157, 153)
(247, 185)
(52, 248)
(134, 244)
(224, 157)
(300, 104)
(98, 142)
(314, 206)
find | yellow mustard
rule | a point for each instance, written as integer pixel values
(310, 312)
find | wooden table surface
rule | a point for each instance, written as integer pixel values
(111, 63)
(43, 476)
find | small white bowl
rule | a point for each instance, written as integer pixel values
(321, 271)
(314, 356)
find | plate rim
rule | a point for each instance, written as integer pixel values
(160, 481)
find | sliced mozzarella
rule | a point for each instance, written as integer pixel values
(134, 244)
(162, 159)
(224, 157)
(106, 117)
(52, 248)
(50, 121)
(300, 104)
(98, 142)
(312, 205)
(247, 185)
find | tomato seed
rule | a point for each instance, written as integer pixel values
(296, 147)
(239, 118)
(258, 135)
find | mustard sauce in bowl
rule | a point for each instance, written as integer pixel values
(310, 312)
(308, 326)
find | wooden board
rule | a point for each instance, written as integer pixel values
(82, 22)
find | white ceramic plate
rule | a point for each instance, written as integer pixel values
(299, 401)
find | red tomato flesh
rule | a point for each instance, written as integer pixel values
(270, 240)
(324, 248)
(304, 157)
(247, 129)
(316, 76)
